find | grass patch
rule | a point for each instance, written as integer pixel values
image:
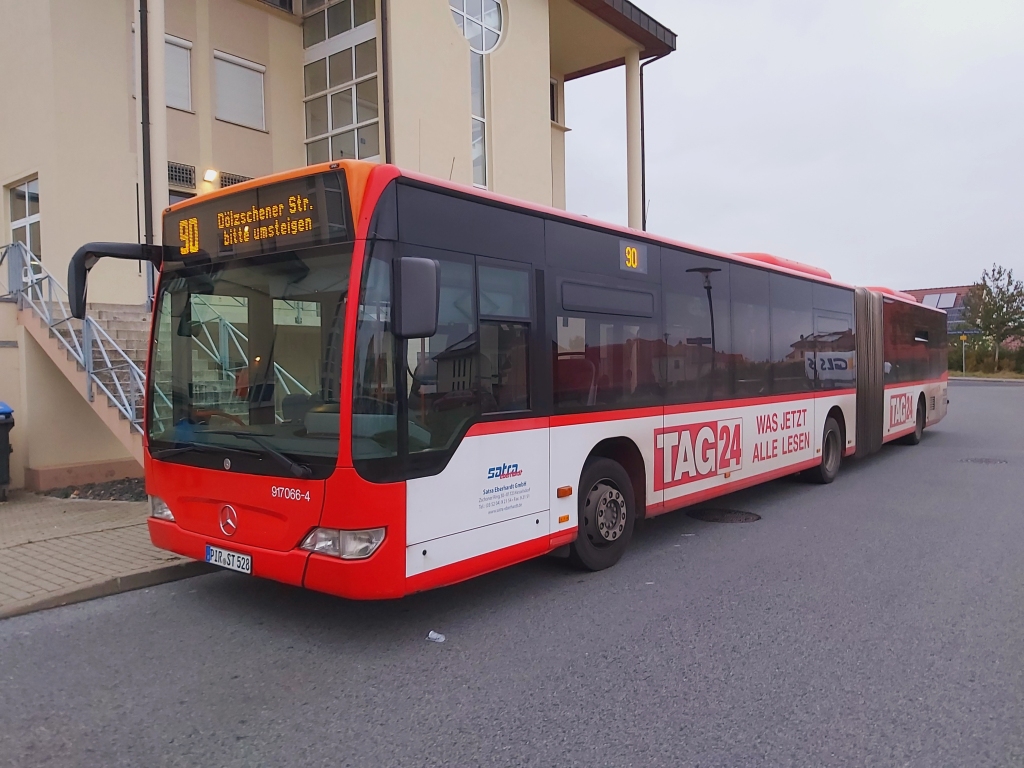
(986, 375)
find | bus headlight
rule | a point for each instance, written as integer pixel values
(348, 545)
(158, 508)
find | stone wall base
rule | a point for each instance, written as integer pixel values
(80, 474)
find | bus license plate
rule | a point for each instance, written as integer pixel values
(226, 559)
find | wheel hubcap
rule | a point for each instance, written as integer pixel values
(605, 513)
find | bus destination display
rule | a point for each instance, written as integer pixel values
(283, 216)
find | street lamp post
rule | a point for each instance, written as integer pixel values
(707, 272)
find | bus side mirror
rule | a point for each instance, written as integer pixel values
(417, 292)
(78, 275)
(85, 258)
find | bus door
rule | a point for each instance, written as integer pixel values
(470, 405)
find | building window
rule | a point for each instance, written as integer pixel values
(553, 96)
(175, 196)
(239, 96)
(480, 21)
(325, 19)
(24, 201)
(178, 72)
(479, 141)
(340, 86)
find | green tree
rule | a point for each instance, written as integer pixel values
(995, 306)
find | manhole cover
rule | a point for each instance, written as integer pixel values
(984, 461)
(723, 516)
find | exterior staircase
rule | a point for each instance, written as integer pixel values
(102, 356)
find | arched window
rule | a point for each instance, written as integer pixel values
(481, 22)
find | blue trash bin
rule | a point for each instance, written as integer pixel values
(6, 424)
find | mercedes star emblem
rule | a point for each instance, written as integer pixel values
(227, 463)
(228, 519)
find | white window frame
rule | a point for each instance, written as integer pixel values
(482, 119)
(458, 9)
(323, 8)
(324, 50)
(179, 42)
(254, 67)
(29, 218)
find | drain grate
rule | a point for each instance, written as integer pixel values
(723, 516)
(983, 461)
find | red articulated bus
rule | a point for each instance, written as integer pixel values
(369, 382)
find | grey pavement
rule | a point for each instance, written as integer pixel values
(59, 551)
(878, 621)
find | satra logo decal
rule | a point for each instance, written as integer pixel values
(504, 472)
(901, 410)
(692, 452)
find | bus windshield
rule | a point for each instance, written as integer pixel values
(245, 363)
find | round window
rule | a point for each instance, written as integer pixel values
(480, 22)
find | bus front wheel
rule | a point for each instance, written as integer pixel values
(607, 511)
(831, 454)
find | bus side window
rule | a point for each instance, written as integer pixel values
(835, 346)
(603, 356)
(833, 363)
(792, 332)
(751, 339)
(443, 372)
(504, 302)
(374, 399)
(696, 319)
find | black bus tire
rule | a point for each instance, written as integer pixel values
(915, 437)
(607, 514)
(831, 454)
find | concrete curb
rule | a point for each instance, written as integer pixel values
(113, 586)
(983, 380)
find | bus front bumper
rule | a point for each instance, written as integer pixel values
(369, 579)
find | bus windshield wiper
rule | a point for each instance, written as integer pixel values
(297, 469)
(164, 453)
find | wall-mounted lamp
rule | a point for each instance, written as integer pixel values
(210, 175)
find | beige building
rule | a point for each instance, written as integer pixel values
(468, 90)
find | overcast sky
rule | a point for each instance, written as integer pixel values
(882, 140)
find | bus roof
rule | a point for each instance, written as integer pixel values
(361, 171)
(761, 260)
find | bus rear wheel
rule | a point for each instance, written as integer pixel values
(607, 512)
(915, 437)
(831, 454)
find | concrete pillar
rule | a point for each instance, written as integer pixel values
(634, 154)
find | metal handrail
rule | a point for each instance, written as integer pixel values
(96, 352)
(88, 342)
(234, 334)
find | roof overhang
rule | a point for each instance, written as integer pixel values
(589, 36)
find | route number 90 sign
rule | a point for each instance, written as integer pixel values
(632, 257)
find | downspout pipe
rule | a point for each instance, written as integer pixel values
(147, 176)
(643, 141)
(385, 76)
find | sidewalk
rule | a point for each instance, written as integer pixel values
(59, 551)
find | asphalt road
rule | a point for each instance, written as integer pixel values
(874, 622)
